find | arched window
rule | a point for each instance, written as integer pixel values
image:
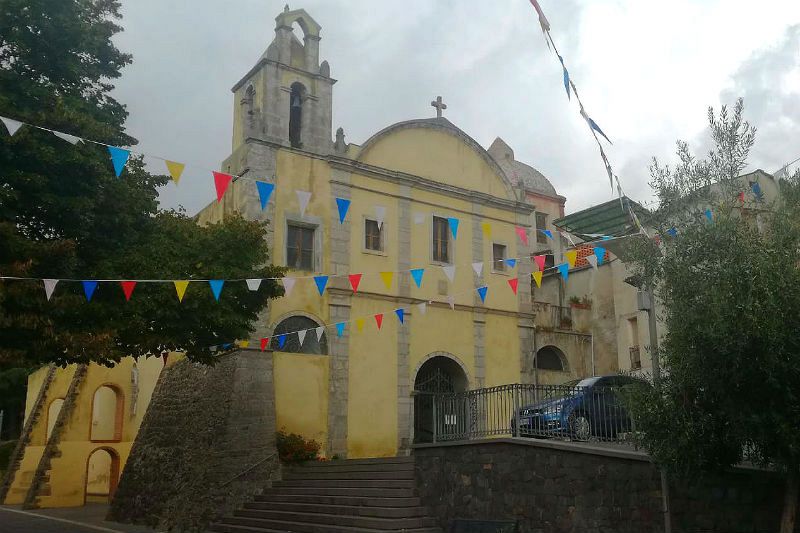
(291, 342)
(102, 475)
(107, 415)
(249, 100)
(550, 358)
(52, 414)
(296, 100)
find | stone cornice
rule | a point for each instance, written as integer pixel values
(265, 61)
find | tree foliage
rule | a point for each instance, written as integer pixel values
(64, 214)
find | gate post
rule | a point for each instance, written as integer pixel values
(516, 412)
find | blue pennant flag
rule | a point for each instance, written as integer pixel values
(321, 282)
(264, 192)
(599, 253)
(596, 128)
(119, 157)
(339, 329)
(563, 268)
(709, 216)
(343, 204)
(482, 293)
(216, 287)
(511, 262)
(400, 314)
(88, 289)
(453, 226)
(226, 345)
(281, 340)
(756, 190)
(566, 81)
(547, 233)
(672, 232)
(417, 275)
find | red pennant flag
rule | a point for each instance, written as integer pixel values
(264, 342)
(379, 320)
(741, 197)
(127, 288)
(523, 235)
(355, 279)
(513, 283)
(221, 182)
(540, 259)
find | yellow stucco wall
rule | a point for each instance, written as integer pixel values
(301, 395)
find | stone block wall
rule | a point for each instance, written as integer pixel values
(553, 487)
(205, 426)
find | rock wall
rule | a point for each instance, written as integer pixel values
(554, 487)
(201, 449)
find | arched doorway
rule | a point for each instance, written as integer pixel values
(52, 415)
(102, 475)
(440, 374)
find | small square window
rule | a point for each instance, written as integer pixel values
(441, 240)
(541, 225)
(373, 235)
(499, 257)
(300, 247)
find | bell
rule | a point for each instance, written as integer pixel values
(296, 101)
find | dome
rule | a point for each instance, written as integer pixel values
(520, 174)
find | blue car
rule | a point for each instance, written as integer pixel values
(580, 410)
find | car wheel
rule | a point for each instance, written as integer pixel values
(580, 427)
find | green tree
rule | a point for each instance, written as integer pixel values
(729, 291)
(65, 215)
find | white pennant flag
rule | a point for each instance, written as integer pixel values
(49, 287)
(320, 330)
(67, 137)
(592, 260)
(301, 336)
(302, 198)
(380, 214)
(288, 285)
(11, 125)
(452, 301)
(568, 237)
(422, 307)
(253, 283)
(478, 268)
(450, 272)
(419, 218)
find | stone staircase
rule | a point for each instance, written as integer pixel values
(352, 496)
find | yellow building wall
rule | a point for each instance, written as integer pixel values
(502, 350)
(301, 395)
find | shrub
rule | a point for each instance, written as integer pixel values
(293, 448)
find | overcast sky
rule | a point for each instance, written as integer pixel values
(646, 72)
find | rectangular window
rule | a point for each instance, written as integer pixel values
(541, 224)
(498, 257)
(373, 235)
(300, 247)
(441, 240)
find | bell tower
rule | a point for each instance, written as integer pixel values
(286, 98)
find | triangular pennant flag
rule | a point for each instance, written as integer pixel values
(547, 233)
(566, 80)
(540, 261)
(253, 283)
(281, 340)
(264, 342)
(709, 216)
(592, 260)
(400, 315)
(119, 156)
(340, 329)
(216, 287)
(453, 226)
(596, 128)
(264, 192)
(419, 218)
(542, 19)
(221, 182)
(756, 190)
(423, 308)
(359, 324)
(672, 232)
(301, 336)
(741, 197)
(568, 237)
(321, 282)
(513, 283)
(451, 301)
(226, 345)
(180, 288)
(127, 289)
(67, 137)
(343, 204)
(355, 279)
(380, 214)
(450, 272)
(88, 289)
(243, 344)
(563, 268)
(49, 287)
(571, 256)
(600, 254)
(379, 320)
(482, 293)
(175, 170)
(523, 234)
(417, 274)
(486, 227)
(537, 277)
(303, 198)
(387, 279)
(510, 262)
(478, 268)
(288, 285)
(11, 125)
(319, 331)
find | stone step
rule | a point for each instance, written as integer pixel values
(347, 483)
(365, 501)
(306, 527)
(343, 467)
(344, 491)
(318, 475)
(364, 522)
(358, 510)
(372, 461)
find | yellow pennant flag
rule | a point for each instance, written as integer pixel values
(571, 256)
(487, 229)
(180, 288)
(243, 344)
(387, 279)
(360, 323)
(175, 170)
(537, 277)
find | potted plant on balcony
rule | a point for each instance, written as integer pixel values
(580, 303)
